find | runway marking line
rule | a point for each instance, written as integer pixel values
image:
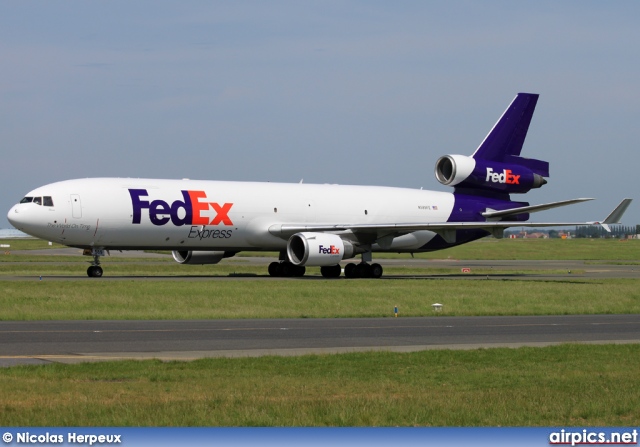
(94, 331)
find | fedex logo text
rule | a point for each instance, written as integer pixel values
(192, 210)
(331, 250)
(506, 176)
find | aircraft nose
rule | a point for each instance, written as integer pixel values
(10, 214)
(15, 217)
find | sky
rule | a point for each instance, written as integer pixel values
(350, 92)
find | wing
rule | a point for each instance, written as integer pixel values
(448, 229)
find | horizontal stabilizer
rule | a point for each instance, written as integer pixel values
(492, 214)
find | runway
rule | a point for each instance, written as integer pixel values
(79, 341)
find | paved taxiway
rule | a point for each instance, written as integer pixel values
(77, 341)
(536, 270)
(549, 270)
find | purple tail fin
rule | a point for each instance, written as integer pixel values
(504, 142)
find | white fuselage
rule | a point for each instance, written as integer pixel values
(215, 215)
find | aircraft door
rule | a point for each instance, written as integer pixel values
(76, 206)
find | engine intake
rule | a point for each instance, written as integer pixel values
(453, 169)
(318, 249)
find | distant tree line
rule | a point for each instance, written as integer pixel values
(583, 231)
(596, 231)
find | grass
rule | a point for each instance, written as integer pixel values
(553, 386)
(28, 243)
(251, 298)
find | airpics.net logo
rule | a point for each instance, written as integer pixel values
(591, 437)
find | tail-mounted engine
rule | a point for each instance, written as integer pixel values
(318, 249)
(467, 172)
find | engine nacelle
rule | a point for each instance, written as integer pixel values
(200, 257)
(467, 172)
(318, 249)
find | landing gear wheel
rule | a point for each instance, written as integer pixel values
(376, 270)
(286, 269)
(331, 271)
(300, 270)
(94, 271)
(350, 270)
(363, 270)
(275, 269)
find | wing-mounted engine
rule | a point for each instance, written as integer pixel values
(468, 172)
(318, 249)
(200, 257)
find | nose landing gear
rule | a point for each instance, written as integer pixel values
(94, 270)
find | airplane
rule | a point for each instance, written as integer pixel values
(203, 222)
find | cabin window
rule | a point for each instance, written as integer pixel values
(27, 200)
(47, 201)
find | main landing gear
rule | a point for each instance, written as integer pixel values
(351, 270)
(286, 269)
(362, 270)
(331, 271)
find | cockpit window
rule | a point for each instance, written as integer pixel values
(42, 201)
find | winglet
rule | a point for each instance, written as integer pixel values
(615, 216)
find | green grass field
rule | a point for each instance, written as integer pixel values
(569, 385)
(251, 298)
